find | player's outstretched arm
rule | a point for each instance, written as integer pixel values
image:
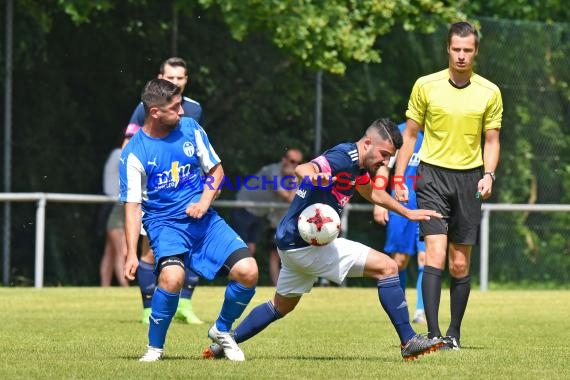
(382, 198)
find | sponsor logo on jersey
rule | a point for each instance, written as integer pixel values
(177, 174)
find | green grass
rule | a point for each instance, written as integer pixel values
(335, 333)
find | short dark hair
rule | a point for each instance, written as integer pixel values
(462, 29)
(174, 62)
(388, 130)
(158, 93)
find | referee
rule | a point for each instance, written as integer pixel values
(455, 108)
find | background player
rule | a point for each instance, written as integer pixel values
(175, 71)
(402, 235)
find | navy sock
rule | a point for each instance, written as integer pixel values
(420, 300)
(459, 293)
(258, 319)
(236, 299)
(147, 282)
(403, 275)
(164, 306)
(394, 303)
(190, 283)
(431, 289)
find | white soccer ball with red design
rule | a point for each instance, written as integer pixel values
(319, 224)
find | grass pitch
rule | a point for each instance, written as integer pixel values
(335, 333)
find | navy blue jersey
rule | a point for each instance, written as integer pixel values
(191, 109)
(341, 162)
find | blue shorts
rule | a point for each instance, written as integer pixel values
(403, 236)
(206, 243)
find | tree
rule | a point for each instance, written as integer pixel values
(329, 34)
(321, 34)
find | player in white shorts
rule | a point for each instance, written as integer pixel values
(332, 178)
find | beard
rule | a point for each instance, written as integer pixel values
(373, 169)
(171, 125)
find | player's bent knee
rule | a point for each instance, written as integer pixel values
(389, 269)
(379, 265)
(401, 260)
(243, 267)
(171, 273)
(245, 272)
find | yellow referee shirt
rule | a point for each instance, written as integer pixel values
(454, 118)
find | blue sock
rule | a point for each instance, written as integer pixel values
(236, 299)
(147, 282)
(190, 282)
(394, 303)
(164, 306)
(403, 275)
(258, 319)
(420, 301)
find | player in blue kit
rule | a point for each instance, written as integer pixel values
(332, 178)
(163, 170)
(403, 235)
(174, 70)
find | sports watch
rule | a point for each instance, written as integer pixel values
(492, 174)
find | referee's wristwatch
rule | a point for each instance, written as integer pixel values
(492, 174)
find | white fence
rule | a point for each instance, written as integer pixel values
(42, 199)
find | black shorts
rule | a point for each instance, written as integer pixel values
(453, 194)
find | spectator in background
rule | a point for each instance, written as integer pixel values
(402, 235)
(272, 183)
(175, 71)
(113, 259)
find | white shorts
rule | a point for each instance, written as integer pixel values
(335, 261)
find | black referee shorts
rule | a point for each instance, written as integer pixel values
(451, 193)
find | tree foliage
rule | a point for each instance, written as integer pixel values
(329, 34)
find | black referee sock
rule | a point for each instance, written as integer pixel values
(459, 294)
(431, 291)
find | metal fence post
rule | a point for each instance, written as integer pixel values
(40, 235)
(484, 269)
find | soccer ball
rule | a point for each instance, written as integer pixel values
(319, 224)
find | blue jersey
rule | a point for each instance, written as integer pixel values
(340, 161)
(412, 168)
(191, 109)
(402, 235)
(166, 174)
